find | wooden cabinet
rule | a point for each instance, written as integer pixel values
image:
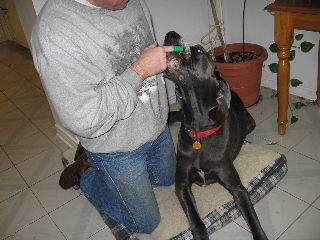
(10, 25)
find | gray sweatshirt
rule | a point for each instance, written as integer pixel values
(83, 55)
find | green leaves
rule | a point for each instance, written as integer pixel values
(274, 48)
(306, 46)
(273, 67)
(292, 55)
(298, 105)
(298, 37)
(295, 82)
(294, 119)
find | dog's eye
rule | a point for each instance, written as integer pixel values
(199, 51)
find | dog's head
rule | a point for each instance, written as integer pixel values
(198, 80)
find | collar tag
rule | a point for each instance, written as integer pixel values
(196, 145)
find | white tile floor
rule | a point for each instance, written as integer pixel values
(33, 206)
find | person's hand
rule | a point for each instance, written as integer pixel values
(151, 61)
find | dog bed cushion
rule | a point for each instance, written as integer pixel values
(260, 170)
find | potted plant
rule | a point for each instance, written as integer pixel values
(239, 63)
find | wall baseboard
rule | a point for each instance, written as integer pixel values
(66, 136)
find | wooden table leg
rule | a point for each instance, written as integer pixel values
(283, 38)
(318, 90)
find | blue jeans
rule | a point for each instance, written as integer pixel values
(120, 184)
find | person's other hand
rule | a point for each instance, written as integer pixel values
(151, 61)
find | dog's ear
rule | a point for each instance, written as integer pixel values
(223, 94)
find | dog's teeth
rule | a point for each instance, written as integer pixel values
(186, 52)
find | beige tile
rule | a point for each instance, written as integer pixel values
(28, 97)
(43, 228)
(317, 203)
(309, 113)
(268, 129)
(16, 61)
(10, 79)
(104, 234)
(277, 211)
(51, 134)
(24, 66)
(303, 177)
(259, 113)
(18, 212)
(231, 231)
(28, 147)
(3, 67)
(306, 227)
(6, 107)
(11, 183)
(29, 72)
(82, 218)
(51, 195)
(269, 100)
(34, 79)
(15, 130)
(309, 146)
(43, 120)
(3, 97)
(267, 144)
(5, 162)
(41, 165)
(35, 108)
(22, 87)
(14, 116)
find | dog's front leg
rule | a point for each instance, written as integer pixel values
(245, 206)
(229, 178)
(187, 201)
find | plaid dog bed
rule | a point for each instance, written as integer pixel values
(258, 187)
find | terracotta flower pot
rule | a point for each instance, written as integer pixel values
(245, 77)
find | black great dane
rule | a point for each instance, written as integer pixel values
(212, 132)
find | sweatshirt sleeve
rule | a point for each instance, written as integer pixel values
(89, 100)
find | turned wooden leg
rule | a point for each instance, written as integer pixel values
(283, 87)
(318, 90)
(283, 35)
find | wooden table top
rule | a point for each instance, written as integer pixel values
(296, 6)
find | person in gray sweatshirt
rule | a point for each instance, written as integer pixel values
(102, 69)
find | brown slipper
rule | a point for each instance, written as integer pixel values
(70, 177)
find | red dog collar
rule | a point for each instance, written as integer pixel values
(204, 133)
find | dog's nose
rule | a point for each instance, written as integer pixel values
(172, 35)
